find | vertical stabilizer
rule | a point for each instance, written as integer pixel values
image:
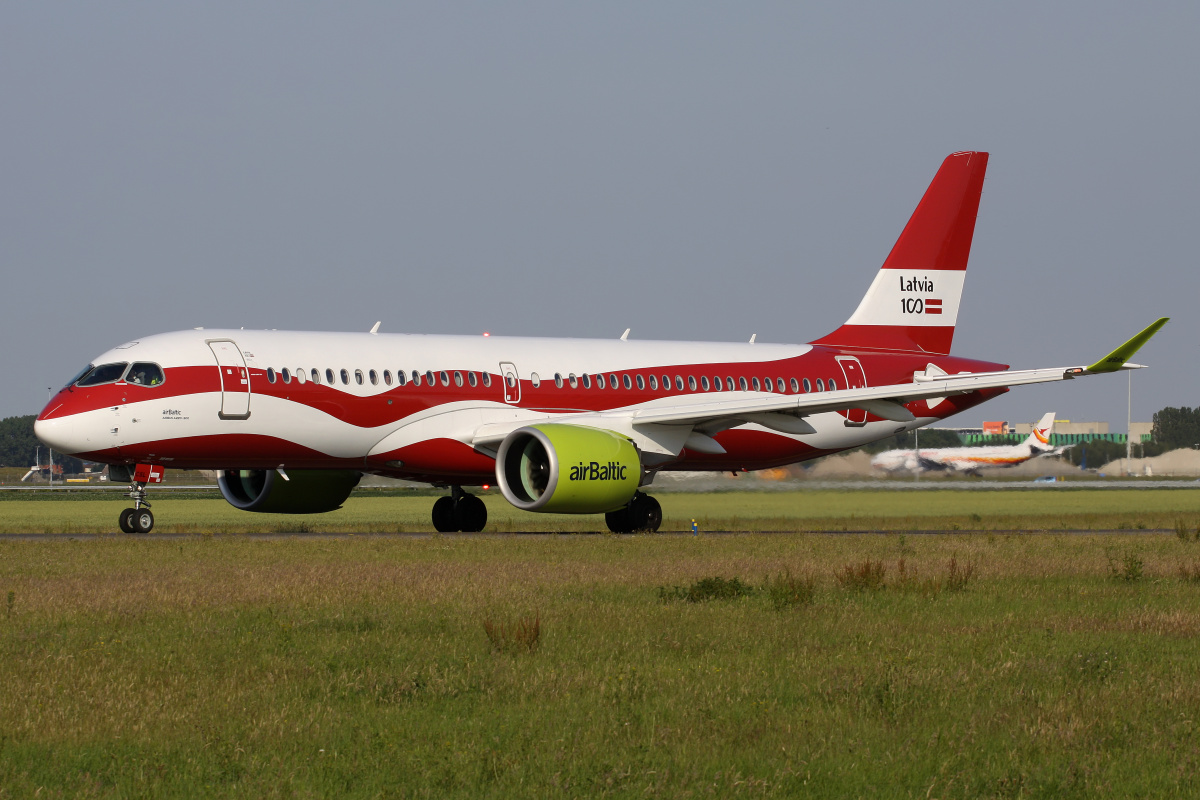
(913, 303)
(1040, 438)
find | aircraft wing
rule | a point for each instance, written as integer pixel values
(785, 412)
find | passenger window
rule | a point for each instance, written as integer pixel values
(416, 378)
(666, 383)
(535, 380)
(374, 377)
(558, 380)
(445, 376)
(486, 377)
(287, 376)
(704, 382)
(832, 385)
(105, 373)
(329, 376)
(627, 382)
(471, 379)
(742, 383)
(780, 385)
(316, 375)
(144, 373)
(429, 378)
(754, 382)
(300, 375)
(717, 382)
(572, 381)
(458, 378)
(679, 383)
(358, 377)
(807, 386)
(270, 375)
(820, 385)
(600, 381)
(654, 383)
(768, 384)
(587, 381)
(641, 382)
(401, 378)
(387, 377)
(612, 381)
(345, 378)
(795, 386)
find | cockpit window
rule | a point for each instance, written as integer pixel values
(105, 373)
(80, 374)
(144, 373)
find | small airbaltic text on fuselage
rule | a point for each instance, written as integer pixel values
(595, 471)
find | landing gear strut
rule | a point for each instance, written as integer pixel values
(459, 512)
(642, 514)
(138, 519)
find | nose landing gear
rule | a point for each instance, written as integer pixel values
(140, 519)
(459, 512)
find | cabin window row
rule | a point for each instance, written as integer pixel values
(599, 380)
(717, 383)
(400, 378)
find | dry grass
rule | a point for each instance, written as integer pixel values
(520, 635)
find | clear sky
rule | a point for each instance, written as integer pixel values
(687, 170)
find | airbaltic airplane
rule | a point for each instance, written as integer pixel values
(292, 420)
(972, 459)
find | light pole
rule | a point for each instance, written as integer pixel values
(1129, 425)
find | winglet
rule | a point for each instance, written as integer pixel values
(1117, 358)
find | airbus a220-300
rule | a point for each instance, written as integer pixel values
(292, 420)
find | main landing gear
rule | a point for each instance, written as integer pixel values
(459, 512)
(642, 514)
(138, 519)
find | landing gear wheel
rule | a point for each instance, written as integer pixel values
(125, 521)
(618, 521)
(642, 514)
(143, 520)
(443, 515)
(646, 513)
(470, 514)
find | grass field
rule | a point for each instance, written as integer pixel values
(760, 665)
(1046, 509)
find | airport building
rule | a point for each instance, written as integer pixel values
(1065, 432)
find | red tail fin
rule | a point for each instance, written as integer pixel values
(913, 303)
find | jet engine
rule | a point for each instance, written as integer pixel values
(304, 492)
(567, 469)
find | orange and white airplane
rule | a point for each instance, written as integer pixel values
(292, 420)
(972, 459)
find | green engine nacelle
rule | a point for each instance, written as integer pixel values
(312, 491)
(567, 469)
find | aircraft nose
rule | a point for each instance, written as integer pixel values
(63, 434)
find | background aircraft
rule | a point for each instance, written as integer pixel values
(972, 459)
(292, 420)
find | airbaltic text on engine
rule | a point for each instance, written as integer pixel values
(595, 471)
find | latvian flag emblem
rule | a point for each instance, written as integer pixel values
(933, 306)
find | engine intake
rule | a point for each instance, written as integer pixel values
(307, 491)
(567, 469)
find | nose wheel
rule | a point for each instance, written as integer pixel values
(138, 519)
(459, 512)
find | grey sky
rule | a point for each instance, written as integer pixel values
(690, 171)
